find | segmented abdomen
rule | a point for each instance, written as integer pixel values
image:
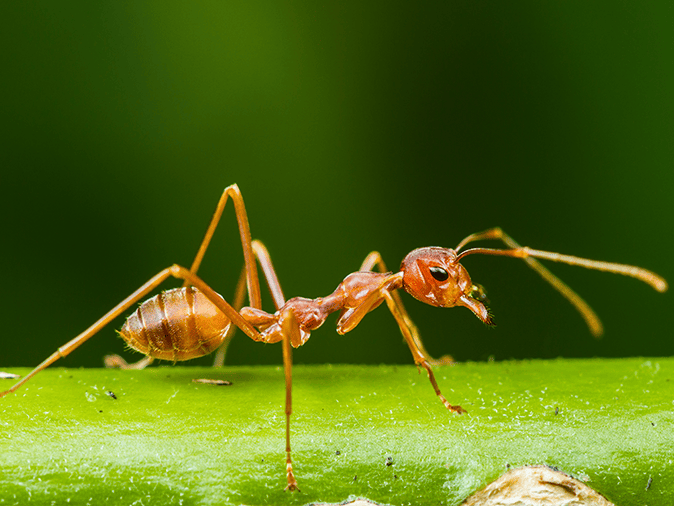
(177, 324)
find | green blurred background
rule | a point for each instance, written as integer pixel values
(349, 127)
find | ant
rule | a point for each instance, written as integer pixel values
(193, 320)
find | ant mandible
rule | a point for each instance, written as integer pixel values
(192, 321)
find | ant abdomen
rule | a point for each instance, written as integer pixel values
(178, 324)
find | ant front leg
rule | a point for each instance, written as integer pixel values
(373, 260)
(419, 357)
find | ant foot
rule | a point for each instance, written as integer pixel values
(444, 360)
(115, 362)
(292, 487)
(292, 482)
(457, 409)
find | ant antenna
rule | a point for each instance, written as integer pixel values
(644, 275)
(588, 314)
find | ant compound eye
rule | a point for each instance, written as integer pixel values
(439, 273)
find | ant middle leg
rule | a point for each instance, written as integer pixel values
(291, 333)
(374, 260)
(290, 330)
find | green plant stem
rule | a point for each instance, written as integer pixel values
(375, 432)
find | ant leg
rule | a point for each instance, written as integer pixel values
(373, 260)
(244, 231)
(239, 295)
(250, 271)
(117, 362)
(177, 272)
(71, 345)
(264, 260)
(419, 358)
(291, 333)
(180, 272)
(287, 330)
(291, 329)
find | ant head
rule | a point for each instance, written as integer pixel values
(434, 275)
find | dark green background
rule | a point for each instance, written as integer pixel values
(349, 127)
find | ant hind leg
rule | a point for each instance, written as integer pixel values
(75, 343)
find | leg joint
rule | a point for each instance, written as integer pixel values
(177, 271)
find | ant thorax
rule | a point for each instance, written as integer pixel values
(351, 294)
